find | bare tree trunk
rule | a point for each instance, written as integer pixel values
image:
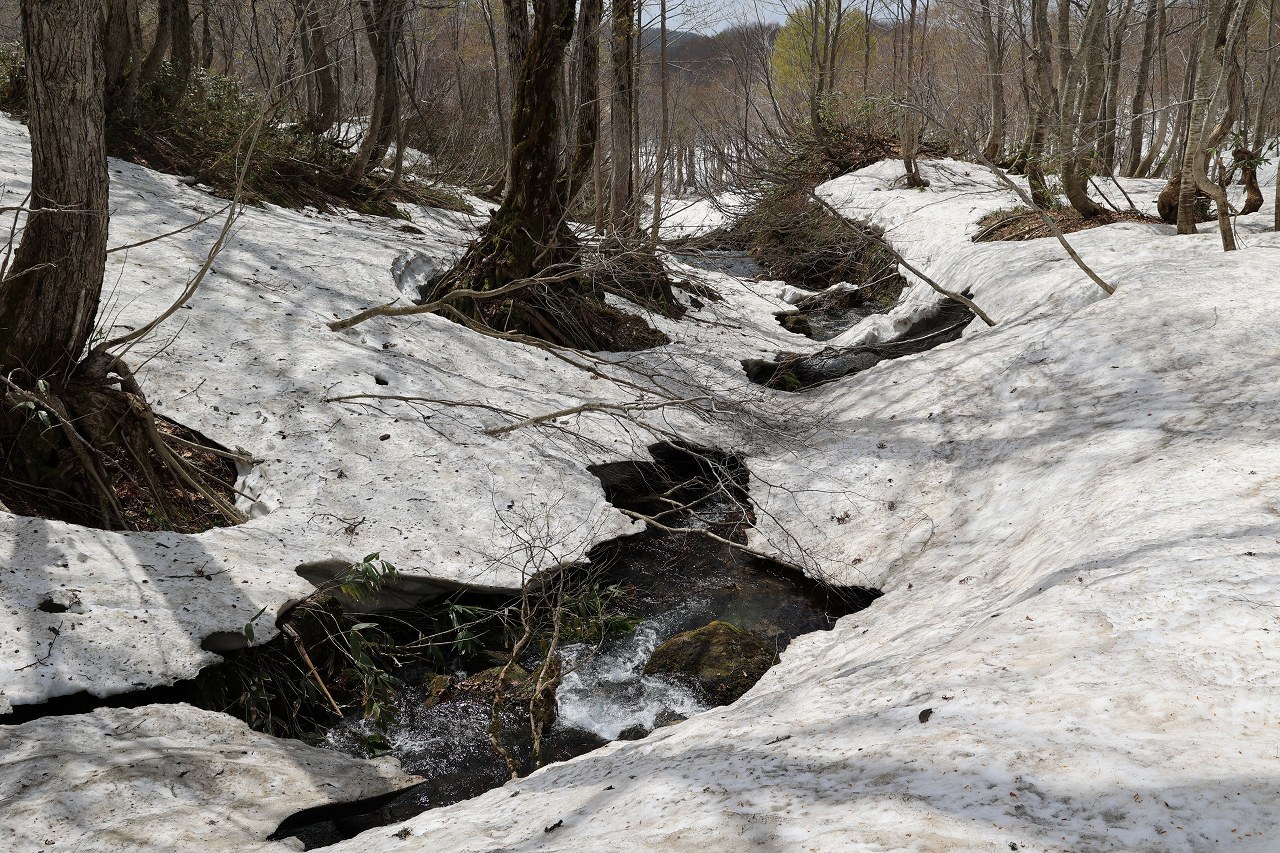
(181, 54)
(1111, 99)
(516, 20)
(122, 40)
(1078, 148)
(1045, 97)
(1224, 25)
(622, 63)
(160, 46)
(1136, 120)
(992, 43)
(319, 68)
(1261, 114)
(664, 129)
(49, 299)
(586, 135)
(499, 105)
(909, 122)
(384, 25)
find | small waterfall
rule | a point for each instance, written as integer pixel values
(605, 691)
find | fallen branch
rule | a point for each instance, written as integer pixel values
(594, 407)
(392, 310)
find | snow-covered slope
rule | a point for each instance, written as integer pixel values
(401, 466)
(1075, 519)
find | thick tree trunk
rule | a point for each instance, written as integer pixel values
(122, 41)
(530, 221)
(314, 37)
(515, 15)
(49, 299)
(182, 49)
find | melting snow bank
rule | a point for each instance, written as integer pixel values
(1074, 518)
(165, 777)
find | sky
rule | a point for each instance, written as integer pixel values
(708, 16)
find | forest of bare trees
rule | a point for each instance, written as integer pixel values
(1075, 89)
(693, 96)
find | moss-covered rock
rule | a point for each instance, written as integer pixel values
(438, 688)
(724, 661)
(796, 323)
(485, 683)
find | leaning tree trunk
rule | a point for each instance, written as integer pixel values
(49, 299)
(384, 24)
(1224, 26)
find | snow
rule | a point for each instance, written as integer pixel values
(697, 216)
(1073, 516)
(251, 364)
(1074, 519)
(166, 777)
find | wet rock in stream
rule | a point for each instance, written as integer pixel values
(721, 659)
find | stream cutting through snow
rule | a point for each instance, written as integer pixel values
(665, 584)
